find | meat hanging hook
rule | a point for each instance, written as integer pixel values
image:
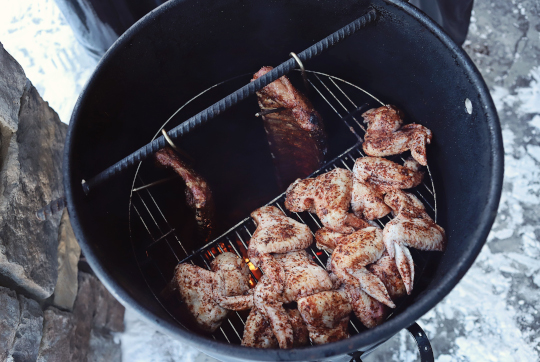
(229, 101)
(169, 140)
(302, 70)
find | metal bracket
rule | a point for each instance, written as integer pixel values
(422, 342)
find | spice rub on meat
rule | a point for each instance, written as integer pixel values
(386, 135)
(295, 133)
(194, 285)
(198, 193)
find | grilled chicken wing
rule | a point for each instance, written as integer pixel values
(387, 271)
(412, 227)
(326, 315)
(231, 282)
(195, 288)
(301, 195)
(302, 276)
(385, 175)
(329, 195)
(386, 135)
(270, 303)
(258, 331)
(350, 258)
(328, 240)
(300, 330)
(368, 310)
(275, 233)
(373, 176)
(295, 134)
(198, 193)
(367, 201)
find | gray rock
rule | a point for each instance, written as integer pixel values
(69, 252)
(12, 81)
(103, 348)
(9, 320)
(58, 334)
(28, 335)
(109, 313)
(30, 177)
(79, 336)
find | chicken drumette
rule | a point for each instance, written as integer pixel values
(373, 177)
(386, 135)
(412, 227)
(329, 195)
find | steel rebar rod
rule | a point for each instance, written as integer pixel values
(230, 100)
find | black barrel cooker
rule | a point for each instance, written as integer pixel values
(189, 54)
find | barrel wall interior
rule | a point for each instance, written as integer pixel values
(186, 50)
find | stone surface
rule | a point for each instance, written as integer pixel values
(9, 320)
(12, 81)
(109, 313)
(69, 252)
(83, 334)
(30, 177)
(56, 343)
(28, 335)
(103, 348)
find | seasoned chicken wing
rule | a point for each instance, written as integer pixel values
(350, 258)
(295, 133)
(387, 271)
(302, 276)
(367, 201)
(329, 195)
(275, 233)
(300, 331)
(270, 303)
(368, 310)
(198, 193)
(258, 331)
(373, 176)
(301, 195)
(412, 227)
(231, 282)
(385, 175)
(328, 240)
(194, 285)
(326, 315)
(386, 135)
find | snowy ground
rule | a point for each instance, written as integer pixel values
(491, 315)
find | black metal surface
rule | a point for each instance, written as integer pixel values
(231, 100)
(422, 341)
(186, 46)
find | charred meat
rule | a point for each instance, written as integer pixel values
(198, 193)
(295, 133)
